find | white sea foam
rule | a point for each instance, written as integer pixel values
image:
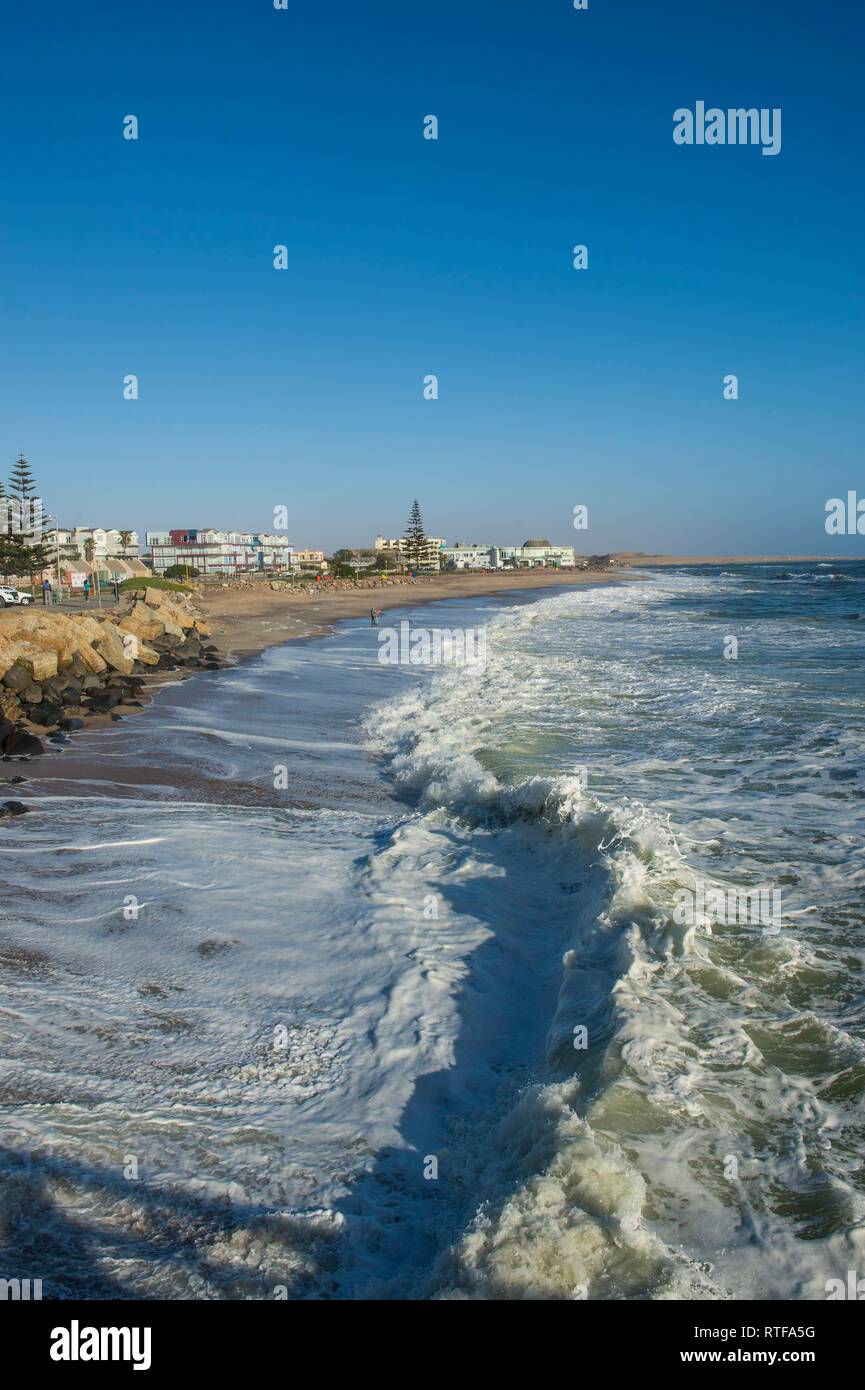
(678, 1130)
(429, 960)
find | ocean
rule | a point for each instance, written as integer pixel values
(458, 983)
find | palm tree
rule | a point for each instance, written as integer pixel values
(89, 556)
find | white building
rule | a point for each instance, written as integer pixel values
(466, 557)
(430, 558)
(90, 548)
(214, 552)
(532, 554)
(72, 541)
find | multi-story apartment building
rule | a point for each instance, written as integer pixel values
(397, 547)
(466, 557)
(310, 559)
(533, 554)
(107, 550)
(70, 542)
(214, 552)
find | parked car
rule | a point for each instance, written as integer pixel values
(12, 596)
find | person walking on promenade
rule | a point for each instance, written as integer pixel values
(116, 587)
(87, 590)
(46, 592)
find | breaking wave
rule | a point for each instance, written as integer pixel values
(667, 1140)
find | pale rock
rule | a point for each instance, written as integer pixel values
(110, 647)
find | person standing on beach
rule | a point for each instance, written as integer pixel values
(374, 615)
(46, 592)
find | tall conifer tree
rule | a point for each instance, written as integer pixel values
(415, 536)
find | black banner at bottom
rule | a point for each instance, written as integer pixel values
(64, 1338)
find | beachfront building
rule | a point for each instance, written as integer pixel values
(75, 550)
(305, 559)
(466, 557)
(532, 554)
(396, 550)
(219, 553)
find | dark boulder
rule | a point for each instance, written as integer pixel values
(20, 744)
(60, 689)
(17, 678)
(46, 714)
(13, 808)
(103, 700)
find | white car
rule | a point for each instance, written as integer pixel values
(11, 596)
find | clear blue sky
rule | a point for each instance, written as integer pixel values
(409, 257)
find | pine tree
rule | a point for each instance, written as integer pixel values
(26, 556)
(14, 557)
(21, 481)
(415, 537)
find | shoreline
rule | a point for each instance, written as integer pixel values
(244, 623)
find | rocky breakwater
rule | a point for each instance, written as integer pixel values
(293, 589)
(58, 670)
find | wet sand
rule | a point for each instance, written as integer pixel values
(99, 760)
(247, 621)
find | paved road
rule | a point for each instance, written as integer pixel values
(77, 605)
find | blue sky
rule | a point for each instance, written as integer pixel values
(407, 257)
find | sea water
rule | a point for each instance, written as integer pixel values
(389, 992)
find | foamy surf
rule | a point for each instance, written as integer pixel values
(671, 1162)
(442, 1031)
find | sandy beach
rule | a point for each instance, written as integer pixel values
(245, 621)
(248, 620)
(251, 618)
